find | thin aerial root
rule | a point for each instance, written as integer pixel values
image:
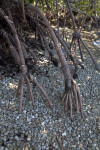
(29, 90)
(81, 54)
(66, 103)
(76, 99)
(30, 98)
(21, 95)
(74, 103)
(43, 91)
(91, 55)
(80, 101)
(75, 48)
(59, 144)
(79, 98)
(63, 99)
(70, 103)
(19, 86)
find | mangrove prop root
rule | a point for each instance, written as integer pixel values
(43, 91)
(21, 94)
(23, 68)
(69, 102)
(66, 71)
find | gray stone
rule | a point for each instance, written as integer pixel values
(1, 148)
(17, 138)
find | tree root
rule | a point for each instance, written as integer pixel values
(68, 100)
(91, 55)
(23, 68)
(40, 24)
(26, 76)
(42, 90)
(21, 94)
(59, 144)
(13, 50)
(71, 87)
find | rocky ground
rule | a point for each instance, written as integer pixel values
(41, 128)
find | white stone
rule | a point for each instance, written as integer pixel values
(64, 134)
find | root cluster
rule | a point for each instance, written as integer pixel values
(12, 27)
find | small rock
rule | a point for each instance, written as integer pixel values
(24, 111)
(39, 147)
(69, 129)
(6, 148)
(97, 148)
(64, 134)
(89, 140)
(4, 139)
(29, 138)
(17, 138)
(73, 146)
(2, 148)
(29, 119)
(64, 143)
(94, 145)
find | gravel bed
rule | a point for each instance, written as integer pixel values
(39, 128)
